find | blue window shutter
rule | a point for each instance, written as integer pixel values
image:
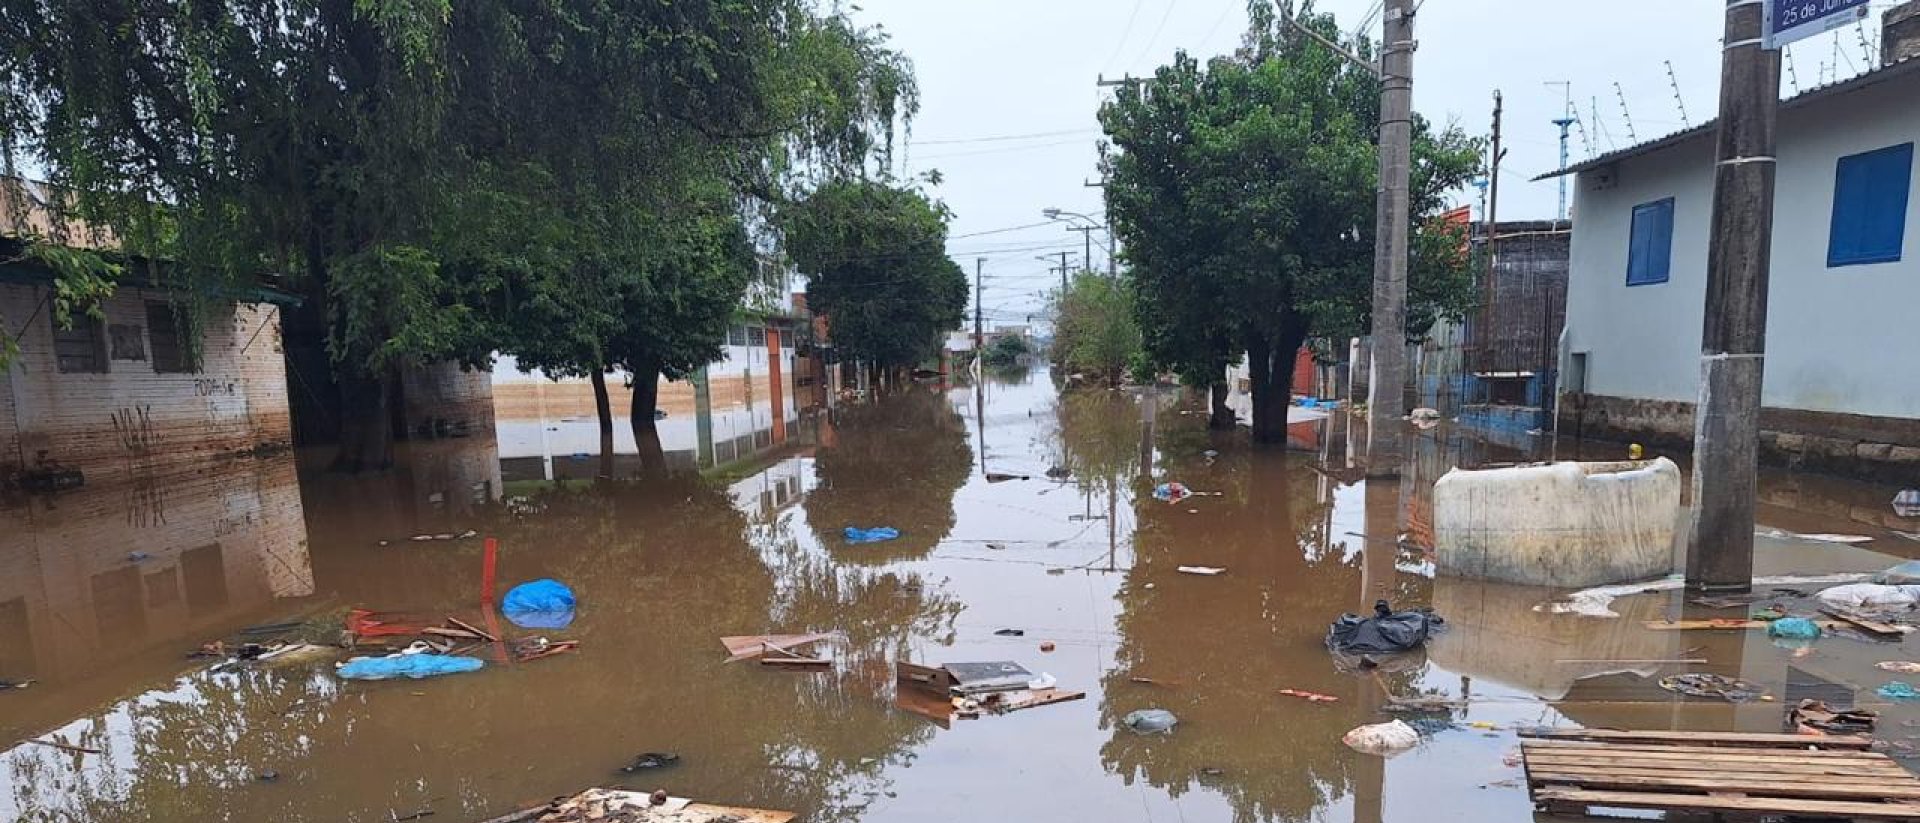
(1650, 247)
(1870, 193)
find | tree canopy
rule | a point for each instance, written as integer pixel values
(1094, 329)
(584, 184)
(1243, 191)
(875, 254)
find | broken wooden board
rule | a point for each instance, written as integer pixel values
(1883, 631)
(932, 678)
(1039, 697)
(1727, 624)
(1669, 737)
(938, 707)
(795, 662)
(616, 806)
(744, 647)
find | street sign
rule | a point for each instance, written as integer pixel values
(1790, 20)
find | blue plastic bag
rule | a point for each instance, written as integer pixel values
(1897, 690)
(539, 604)
(414, 666)
(877, 534)
(1794, 628)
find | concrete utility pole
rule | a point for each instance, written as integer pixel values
(1063, 267)
(1726, 438)
(979, 333)
(1494, 155)
(1086, 237)
(1386, 390)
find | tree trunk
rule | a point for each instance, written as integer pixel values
(646, 431)
(1222, 417)
(366, 422)
(1270, 360)
(603, 408)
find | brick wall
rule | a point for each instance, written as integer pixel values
(129, 418)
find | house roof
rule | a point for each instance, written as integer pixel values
(27, 213)
(1894, 71)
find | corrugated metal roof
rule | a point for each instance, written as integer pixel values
(1880, 75)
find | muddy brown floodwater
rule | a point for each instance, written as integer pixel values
(663, 569)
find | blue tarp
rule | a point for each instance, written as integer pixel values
(1794, 628)
(877, 534)
(539, 604)
(413, 666)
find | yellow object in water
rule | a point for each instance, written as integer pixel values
(1634, 452)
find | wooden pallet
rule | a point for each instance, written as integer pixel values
(1573, 770)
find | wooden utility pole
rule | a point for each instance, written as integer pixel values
(1726, 440)
(1386, 390)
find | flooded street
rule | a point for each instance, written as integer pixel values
(1085, 566)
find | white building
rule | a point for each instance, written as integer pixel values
(1842, 374)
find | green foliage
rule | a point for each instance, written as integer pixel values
(1244, 193)
(580, 183)
(876, 257)
(1006, 351)
(1094, 329)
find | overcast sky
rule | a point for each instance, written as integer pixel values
(1009, 96)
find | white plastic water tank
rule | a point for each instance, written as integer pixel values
(1565, 525)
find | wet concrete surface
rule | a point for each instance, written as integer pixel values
(664, 568)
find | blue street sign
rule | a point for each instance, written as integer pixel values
(1790, 20)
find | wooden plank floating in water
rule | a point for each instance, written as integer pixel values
(1572, 770)
(746, 647)
(1687, 738)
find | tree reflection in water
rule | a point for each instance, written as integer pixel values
(898, 462)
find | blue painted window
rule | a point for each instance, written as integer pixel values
(1870, 206)
(1650, 255)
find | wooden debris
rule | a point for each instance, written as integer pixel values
(1310, 697)
(1884, 631)
(1720, 773)
(1716, 739)
(472, 628)
(552, 649)
(1731, 623)
(1207, 571)
(456, 634)
(1154, 681)
(933, 678)
(1039, 697)
(745, 647)
(614, 806)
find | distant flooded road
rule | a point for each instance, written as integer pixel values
(1029, 533)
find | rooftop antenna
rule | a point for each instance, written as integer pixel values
(1677, 99)
(1624, 114)
(1565, 122)
(1600, 130)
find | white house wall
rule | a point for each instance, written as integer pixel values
(1839, 340)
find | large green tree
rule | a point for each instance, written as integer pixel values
(1094, 329)
(574, 179)
(875, 254)
(1243, 193)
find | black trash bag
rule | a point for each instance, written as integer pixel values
(1387, 631)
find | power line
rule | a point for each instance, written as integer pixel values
(1121, 44)
(999, 138)
(1004, 149)
(1155, 39)
(999, 231)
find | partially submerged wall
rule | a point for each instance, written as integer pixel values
(1852, 445)
(122, 408)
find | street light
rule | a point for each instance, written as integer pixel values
(1086, 232)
